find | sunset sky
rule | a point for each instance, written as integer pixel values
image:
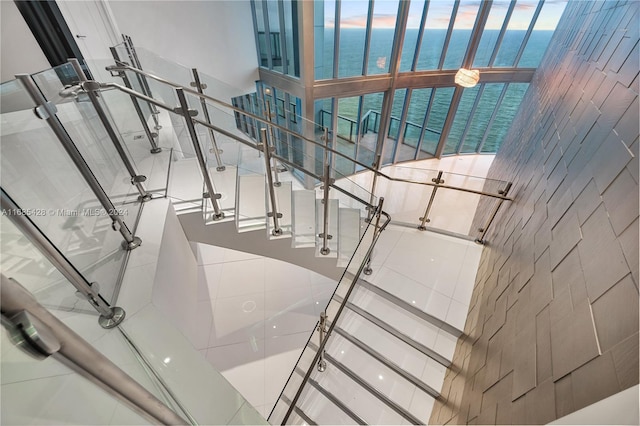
(354, 14)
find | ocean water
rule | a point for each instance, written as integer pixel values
(350, 64)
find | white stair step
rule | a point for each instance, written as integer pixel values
(424, 333)
(355, 397)
(304, 219)
(395, 387)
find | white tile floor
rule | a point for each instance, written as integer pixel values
(259, 312)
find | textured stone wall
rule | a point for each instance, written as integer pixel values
(553, 322)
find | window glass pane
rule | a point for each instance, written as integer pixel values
(481, 117)
(411, 35)
(291, 19)
(467, 100)
(439, 109)
(394, 126)
(541, 35)
(323, 112)
(435, 32)
(274, 35)
(347, 116)
(465, 18)
(382, 31)
(347, 127)
(353, 22)
(369, 127)
(415, 116)
(516, 31)
(262, 36)
(323, 31)
(505, 115)
(491, 31)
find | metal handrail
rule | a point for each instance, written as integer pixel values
(377, 231)
(125, 67)
(41, 334)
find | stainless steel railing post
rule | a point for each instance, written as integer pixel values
(377, 210)
(200, 87)
(327, 181)
(184, 110)
(91, 88)
(141, 78)
(322, 330)
(273, 214)
(136, 105)
(425, 218)
(47, 111)
(374, 182)
(272, 134)
(109, 316)
(483, 230)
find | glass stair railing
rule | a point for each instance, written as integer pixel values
(304, 219)
(377, 355)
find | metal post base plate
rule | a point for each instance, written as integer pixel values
(322, 365)
(276, 232)
(422, 228)
(277, 184)
(368, 271)
(118, 316)
(144, 198)
(133, 244)
(217, 216)
(156, 150)
(325, 251)
(221, 168)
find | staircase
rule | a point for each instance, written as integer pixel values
(381, 367)
(380, 363)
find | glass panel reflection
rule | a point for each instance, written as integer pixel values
(495, 21)
(353, 21)
(416, 9)
(435, 33)
(460, 120)
(542, 33)
(382, 30)
(435, 120)
(481, 118)
(504, 116)
(516, 32)
(465, 19)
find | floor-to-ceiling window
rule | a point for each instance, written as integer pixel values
(401, 56)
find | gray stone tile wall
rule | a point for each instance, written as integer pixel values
(553, 321)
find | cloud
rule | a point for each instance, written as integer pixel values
(356, 21)
(360, 21)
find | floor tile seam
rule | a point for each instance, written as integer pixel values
(264, 292)
(70, 373)
(426, 286)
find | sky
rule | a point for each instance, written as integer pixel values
(354, 14)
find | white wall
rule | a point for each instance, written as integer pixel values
(214, 36)
(20, 52)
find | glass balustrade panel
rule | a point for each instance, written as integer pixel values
(42, 179)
